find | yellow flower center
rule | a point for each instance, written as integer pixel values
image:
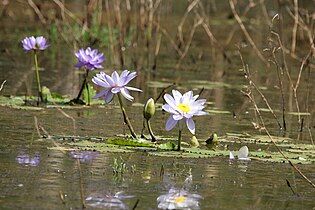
(183, 107)
(180, 199)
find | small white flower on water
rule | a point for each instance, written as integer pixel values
(178, 199)
(183, 107)
(242, 154)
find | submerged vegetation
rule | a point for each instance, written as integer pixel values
(252, 72)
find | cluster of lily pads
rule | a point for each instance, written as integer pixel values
(182, 107)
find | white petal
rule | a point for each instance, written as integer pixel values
(133, 88)
(169, 109)
(190, 125)
(116, 89)
(170, 123)
(177, 117)
(115, 77)
(243, 153)
(231, 156)
(177, 95)
(170, 100)
(126, 94)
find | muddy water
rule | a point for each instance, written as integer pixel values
(34, 176)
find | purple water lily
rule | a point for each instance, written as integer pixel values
(27, 160)
(32, 43)
(115, 84)
(89, 58)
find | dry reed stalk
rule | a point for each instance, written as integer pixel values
(295, 26)
(197, 23)
(249, 6)
(247, 35)
(249, 95)
(110, 33)
(68, 12)
(252, 83)
(168, 36)
(37, 11)
(121, 36)
(181, 23)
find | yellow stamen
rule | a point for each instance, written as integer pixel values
(180, 199)
(184, 107)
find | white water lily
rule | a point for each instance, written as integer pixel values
(242, 154)
(179, 198)
(183, 108)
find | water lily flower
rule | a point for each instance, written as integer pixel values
(89, 58)
(35, 44)
(183, 107)
(27, 160)
(115, 84)
(108, 201)
(84, 156)
(32, 43)
(242, 154)
(179, 198)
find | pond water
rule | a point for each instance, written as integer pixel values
(36, 175)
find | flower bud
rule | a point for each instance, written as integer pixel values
(194, 142)
(149, 109)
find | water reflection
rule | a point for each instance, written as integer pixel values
(108, 201)
(179, 198)
(27, 160)
(84, 156)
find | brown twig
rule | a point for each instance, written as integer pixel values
(37, 11)
(248, 37)
(249, 95)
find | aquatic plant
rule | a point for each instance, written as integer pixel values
(148, 112)
(182, 108)
(116, 84)
(89, 59)
(35, 44)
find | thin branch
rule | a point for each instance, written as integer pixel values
(248, 37)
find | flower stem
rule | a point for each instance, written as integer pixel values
(88, 93)
(153, 138)
(83, 85)
(179, 139)
(40, 95)
(126, 119)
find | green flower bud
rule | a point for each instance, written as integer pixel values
(149, 109)
(194, 141)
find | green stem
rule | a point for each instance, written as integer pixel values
(83, 85)
(153, 138)
(37, 77)
(88, 93)
(126, 119)
(179, 139)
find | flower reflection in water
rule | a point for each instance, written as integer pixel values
(179, 198)
(84, 156)
(108, 201)
(27, 160)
